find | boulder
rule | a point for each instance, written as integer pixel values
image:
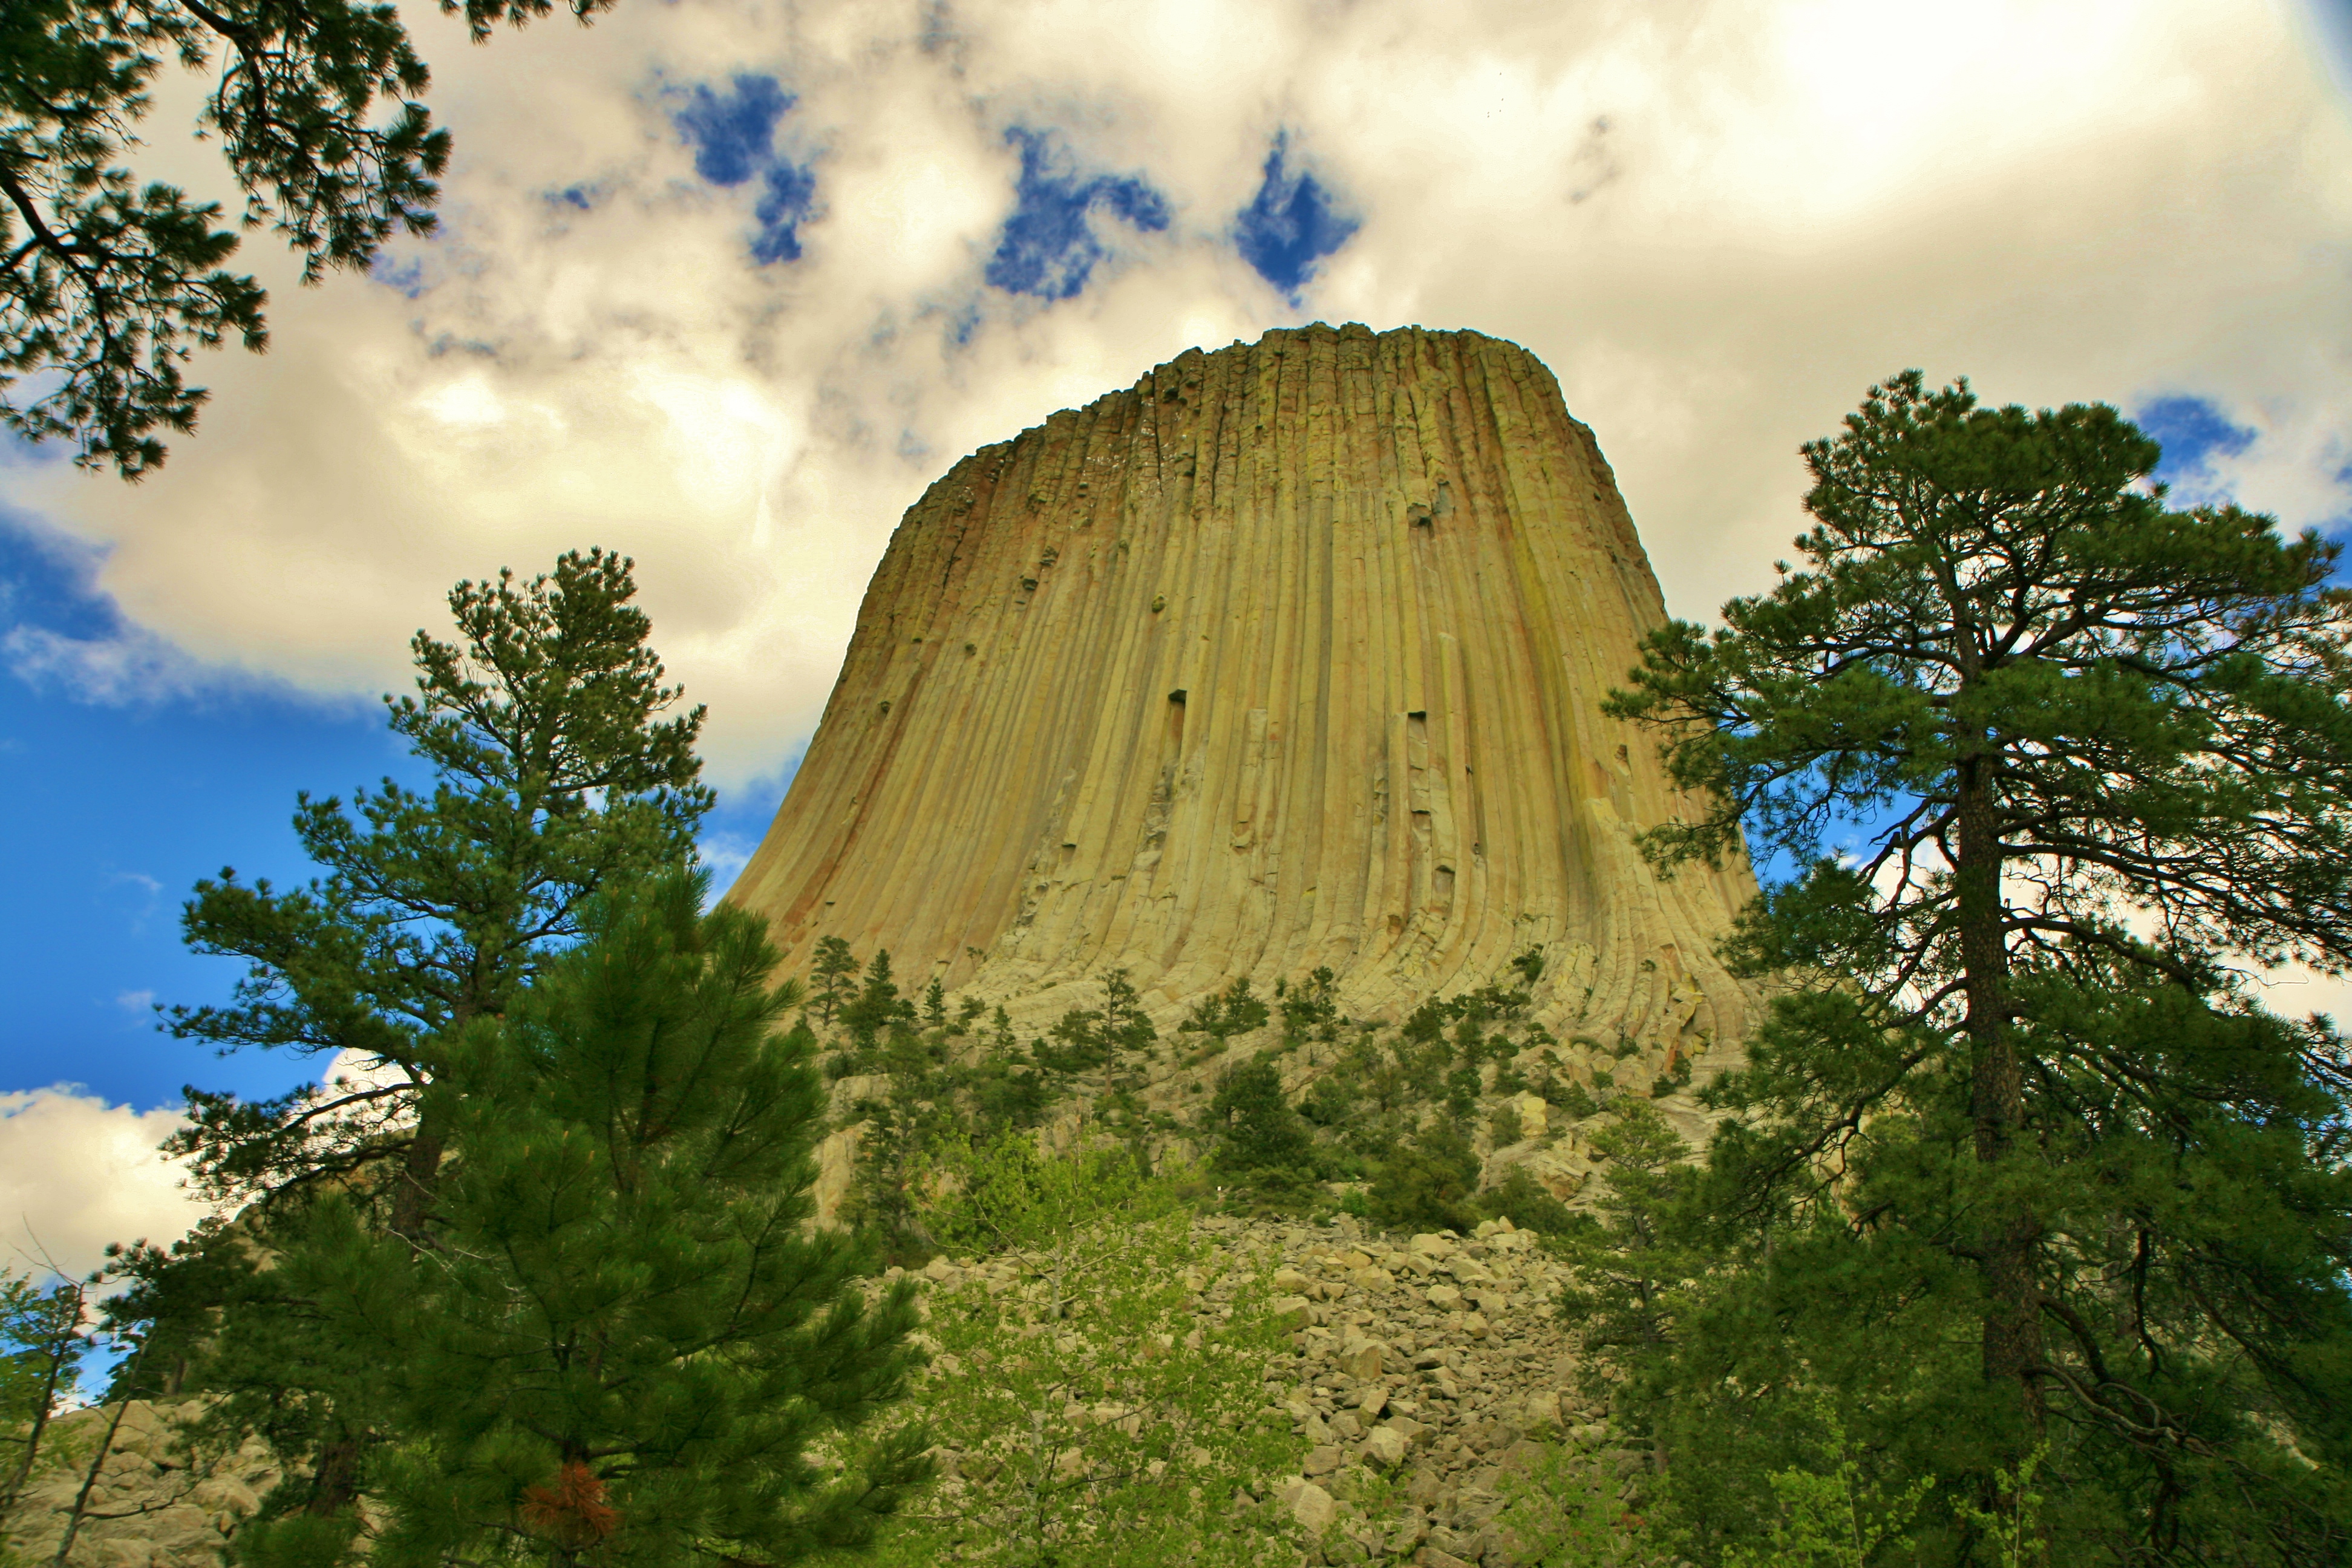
(1314, 1508)
(1384, 1448)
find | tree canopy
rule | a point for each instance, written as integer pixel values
(2060, 769)
(619, 1342)
(109, 283)
(555, 778)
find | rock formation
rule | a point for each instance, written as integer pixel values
(1289, 655)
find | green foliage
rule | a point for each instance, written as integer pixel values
(2016, 1165)
(107, 283)
(876, 1006)
(554, 779)
(43, 1342)
(2012, 1527)
(1633, 1250)
(1572, 1097)
(834, 972)
(1833, 1518)
(1261, 1143)
(1097, 1409)
(1088, 1038)
(1523, 1200)
(1126, 1028)
(617, 1338)
(1331, 1100)
(1678, 1077)
(1074, 1045)
(1224, 1014)
(1309, 1007)
(1564, 1512)
(1427, 1183)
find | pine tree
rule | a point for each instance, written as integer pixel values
(44, 1338)
(1126, 1029)
(835, 971)
(2019, 1166)
(554, 777)
(113, 280)
(1262, 1140)
(555, 781)
(1222, 1014)
(622, 1345)
(877, 1007)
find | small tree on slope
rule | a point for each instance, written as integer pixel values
(624, 1348)
(2018, 1162)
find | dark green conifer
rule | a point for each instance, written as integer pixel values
(834, 972)
(1262, 1140)
(620, 1344)
(555, 778)
(2020, 1171)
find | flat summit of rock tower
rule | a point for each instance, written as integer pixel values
(1289, 655)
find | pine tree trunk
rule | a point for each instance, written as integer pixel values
(334, 1478)
(58, 1353)
(2013, 1331)
(420, 1172)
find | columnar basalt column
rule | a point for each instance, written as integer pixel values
(1291, 654)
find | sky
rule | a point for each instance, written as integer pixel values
(723, 284)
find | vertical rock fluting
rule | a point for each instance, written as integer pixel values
(1291, 654)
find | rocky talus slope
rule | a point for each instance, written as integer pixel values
(1429, 1383)
(1289, 655)
(1424, 1375)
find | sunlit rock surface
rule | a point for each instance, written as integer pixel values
(1290, 654)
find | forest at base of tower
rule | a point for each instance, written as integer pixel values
(2021, 1234)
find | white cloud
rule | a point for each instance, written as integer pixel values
(725, 855)
(2296, 991)
(1717, 224)
(2298, 466)
(77, 1173)
(132, 665)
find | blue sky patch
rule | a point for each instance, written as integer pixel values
(403, 273)
(1048, 248)
(2192, 431)
(783, 205)
(733, 134)
(1292, 223)
(139, 787)
(139, 792)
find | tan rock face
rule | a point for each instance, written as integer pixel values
(1290, 654)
